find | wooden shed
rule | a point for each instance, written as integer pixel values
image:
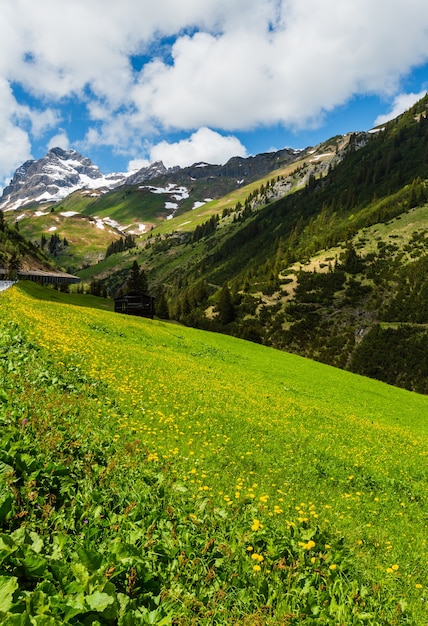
(135, 303)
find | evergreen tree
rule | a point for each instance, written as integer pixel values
(352, 263)
(162, 309)
(137, 280)
(225, 307)
(14, 264)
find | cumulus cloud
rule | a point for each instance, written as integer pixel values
(315, 57)
(137, 164)
(60, 140)
(401, 103)
(14, 142)
(203, 145)
(142, 68)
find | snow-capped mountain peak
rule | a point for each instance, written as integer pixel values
(53, 177)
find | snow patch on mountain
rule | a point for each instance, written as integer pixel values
(54, 177)
(176, 193)
(196, 205)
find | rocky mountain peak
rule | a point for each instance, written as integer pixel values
(53, 177)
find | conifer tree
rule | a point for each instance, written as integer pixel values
(137, 280)
(225, 307)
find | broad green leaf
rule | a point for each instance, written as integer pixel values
(91, 560)
(37, 540)
(75, 605)
(45, 620)
(8, 586)
(5, 505)
(7, 547)
(20, 619)
(35, 565)
(81, 574)
(98, 601)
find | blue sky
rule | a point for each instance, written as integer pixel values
(189, 80)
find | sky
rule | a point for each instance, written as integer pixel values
(132, 82)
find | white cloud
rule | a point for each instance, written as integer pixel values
(39, 121)
(233, 64)
(137, 164)
(60, 140)
(14, 142)
(401, 103)
(316, 57)
(203, 145)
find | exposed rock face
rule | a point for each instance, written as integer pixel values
(239, 168)
(54, 177)
(62, 172)
(154, 170)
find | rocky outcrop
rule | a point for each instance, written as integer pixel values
(53, 177)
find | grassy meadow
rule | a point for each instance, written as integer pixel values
(156, 474)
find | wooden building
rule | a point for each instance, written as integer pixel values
(135, 303)
(42, 277)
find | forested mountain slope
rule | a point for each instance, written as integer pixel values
(243, 270)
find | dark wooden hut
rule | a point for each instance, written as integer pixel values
(135, 303)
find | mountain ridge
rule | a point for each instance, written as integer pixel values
(58, 174)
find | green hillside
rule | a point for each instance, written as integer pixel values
(16, 251)
(91, 221)
(324, 257)
(359, 222)
(86, 240)
(153, 473)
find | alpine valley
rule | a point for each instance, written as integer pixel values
(321, 252)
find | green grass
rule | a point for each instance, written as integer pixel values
(131, 206)
(76, 299)
(87, 243)
(186, 452)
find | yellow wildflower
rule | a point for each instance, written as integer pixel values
(256, 525)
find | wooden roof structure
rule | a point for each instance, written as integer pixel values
(44, 278)
(135, 303)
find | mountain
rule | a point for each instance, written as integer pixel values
(322, 252)
(239, 169)
(53, 177)
(60, 173)
(327, 259)
(64, 195)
